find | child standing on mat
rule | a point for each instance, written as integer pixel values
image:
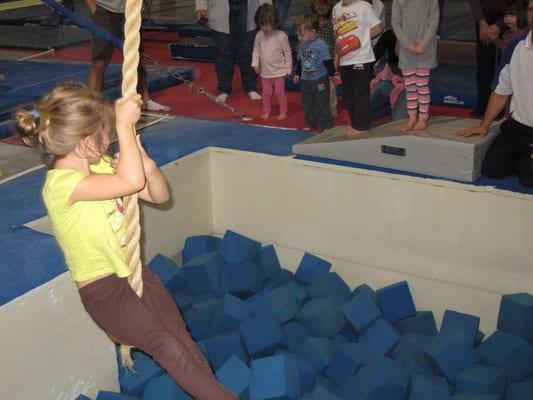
(515, 21)
(82, 192)
(271, 59)
(415, 23)
(313, 72)
(355, 24)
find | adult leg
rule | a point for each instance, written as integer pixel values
(308, 104)
(268, 89)
(283, 7)
(101, 51)
(485, 66)
(281, 95)
(244, 41)
(361, 88)
(224, 60)
(322, 102)
(348, 90)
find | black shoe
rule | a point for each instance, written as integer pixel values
(476, 113)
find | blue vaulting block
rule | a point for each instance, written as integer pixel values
(481, 378)
(329, 284)
(323, 316)
(346, 360)
(310, 268)
(396, 301)
(242, 279)
(318, 351)
(278, 303)
(236, 248)
(196, 245)
(463, 324)
(516, 315)
(379, 337)
(520, 391)
(203, 274)
(475, 396)
(220, 348)
(164, 388)
(451, 354)
(103, 395)
(262, 335)
(382, 378)
(508, 351)
(169, 274)
(422, 323)
(235, 376)
(269, 263)
(275, 377)
(295, 334)
(360, 310)
(133, 383)
(410, 351)
(425, 387)
(228, 314)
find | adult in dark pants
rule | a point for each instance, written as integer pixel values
(283, 10)
(511, 153)
(233, 26)
(488, 15)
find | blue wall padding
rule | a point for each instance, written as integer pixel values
(481, 378)
(169, 274)
(520, 391)
(361, 310)
(516, 315)
(278, 303)
(463, 324)
(164, 388)
(220, 348)
(236, 248)
(508, 351)
(423, 322)
(475, 396)
(228, 314)
(235, 376)
(262, 335)
(425, 387)
(379, 337)
(318, 351)
(196, 245)
(451, 354)
(310, 268)
(103, 395)
(295, 334)
(346, 360)
(203, 273)
(330, 284)
(323, 316)
(410, 352)
(396, 301)
(243, 279)
(133, 383)
(321, 394)
(269, 263)
(382, 378)
(275, 377)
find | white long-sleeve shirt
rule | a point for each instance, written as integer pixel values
(218, 13)
(273, 54)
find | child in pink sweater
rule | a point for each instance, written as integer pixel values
(271, 59)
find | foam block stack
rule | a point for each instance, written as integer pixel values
(269, 333)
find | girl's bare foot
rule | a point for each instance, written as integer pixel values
(307, 129)
(421, 124)
(265, 116)
(281, 117)
(352, 132)
(410, 123)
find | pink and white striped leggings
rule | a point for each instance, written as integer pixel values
(416, 82)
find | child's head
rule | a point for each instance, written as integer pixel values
(306, 26)
(267, 18)
(322, 9)
(68, 115)
(514, 15)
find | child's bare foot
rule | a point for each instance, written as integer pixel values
(352, 132)
(265, 116)
(282, 116)
(410, 123)
(421, 124)
(307, 129)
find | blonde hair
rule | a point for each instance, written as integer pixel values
(307, 21)
(63, 117)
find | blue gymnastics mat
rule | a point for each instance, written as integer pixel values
(29, 80)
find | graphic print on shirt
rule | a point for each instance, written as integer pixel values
(311, 61)
(115, 216)
(345, 28)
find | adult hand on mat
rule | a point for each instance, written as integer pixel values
(475, 131)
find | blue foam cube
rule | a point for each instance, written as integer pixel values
(364, 288)
(164, 388)
(410, 352)
(278, 303)
(198, 324)
(475, 396)
(396, 301)
(297, 291)
(310, 268)
(275, 377)
(133, 383)
(323, 316)
(360, 310)
(324, 383)
(184, 301)
(103, 395)
(346, 360)
(422, 323)
(321, 394)
(516, 315)
(203, 274)
(382, 378)
(507, 351)
(347, 389)
(327, 285)
(242, 279)
(235, 376)
(463, 324)
(235, 248)
(520, 391)
(295, 334)
(348, 332)
(269, 263)
(262, 335)
(425, 387)
(228, 314)
(481, 378)
(196, 245)
(83, 397)
(220, 348)
(318, 351)
(169, 274)
(379, 336)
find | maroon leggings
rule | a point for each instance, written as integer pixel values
(154, 325)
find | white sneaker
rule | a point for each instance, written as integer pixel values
(254, 95)
(222, 97)
(151, 105)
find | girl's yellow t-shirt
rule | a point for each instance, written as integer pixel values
(91, 234)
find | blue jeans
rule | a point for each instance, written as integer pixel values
(235, 48)
(380, 102)
(283, 10)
